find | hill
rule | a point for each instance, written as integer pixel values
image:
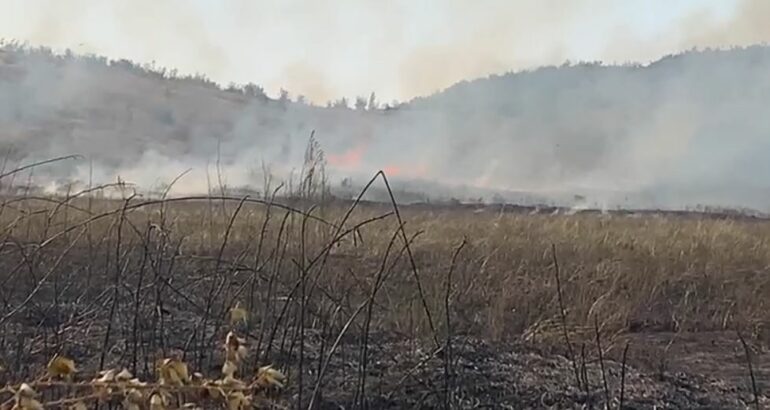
(688, 129)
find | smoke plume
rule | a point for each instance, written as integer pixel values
(675, 131)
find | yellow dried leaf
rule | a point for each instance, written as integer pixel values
(99, 384)
(102, 392)
(106, 376)
(26, 390)
(232, 340)
(232, 383)
(229, 369)
(78, 406)
(136, 382)
(25, 398)
(173, 372)
(268, 377)
(124, 376)
(60, 366)
(25, 403)
(238, 314)
(181, 370)
(238, 401)
(133, 400)
(157, 402)
(235, 348)
(213, 390)
(197, 378)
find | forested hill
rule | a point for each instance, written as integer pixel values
(687, 129)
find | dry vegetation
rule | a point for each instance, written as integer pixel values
(371, 305)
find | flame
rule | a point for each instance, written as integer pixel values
(392, 170)
(349, 160)
(418, 171)
(353, 160)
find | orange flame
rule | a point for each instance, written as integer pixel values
(349, 160)
(392, 170)
(419, 171)
(352, 160)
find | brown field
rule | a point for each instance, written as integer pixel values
(467, 314)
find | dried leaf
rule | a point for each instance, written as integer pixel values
(131, 406)
(181, 370)
(197, 378)
(28, 404)
(60, 366)
(99, 384)
(229, 369)
(106, 376)
(268, 377)
(173, 372)
(25, 398)
(238, 314)
(232, 383)
(235, 348)
(78, 406)
(124, 376)
(157, 401)
(133, 400)
(136, 382)
(238, 401)
(26, 390)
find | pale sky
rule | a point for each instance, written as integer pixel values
(399, 49)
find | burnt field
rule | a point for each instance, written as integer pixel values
(369, 305)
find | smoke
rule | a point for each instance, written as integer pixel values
(312, 83)
(491, 37)
(399, 49)
(737, 23)
(748, 25)
(685, 130)
(349, 160)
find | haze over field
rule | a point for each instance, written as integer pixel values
(491, 102)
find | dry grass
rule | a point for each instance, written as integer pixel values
(122, 283)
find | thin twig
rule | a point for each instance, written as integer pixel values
(623, 377)
(584, 373)
(448, 399)
(37, 164)
(754, 388)
(361, 391)
(607, 392)
(563, 315)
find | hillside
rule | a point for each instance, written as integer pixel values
(688, 129)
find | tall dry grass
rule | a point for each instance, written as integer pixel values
(124, 282)
(633, 273)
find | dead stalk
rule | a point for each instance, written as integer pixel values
(563, 315)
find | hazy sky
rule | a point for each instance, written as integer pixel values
(398, 49)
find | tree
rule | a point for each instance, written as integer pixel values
(341, 103)
(255, 91)
(360, 104)
(284, 96)
(373, 105)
